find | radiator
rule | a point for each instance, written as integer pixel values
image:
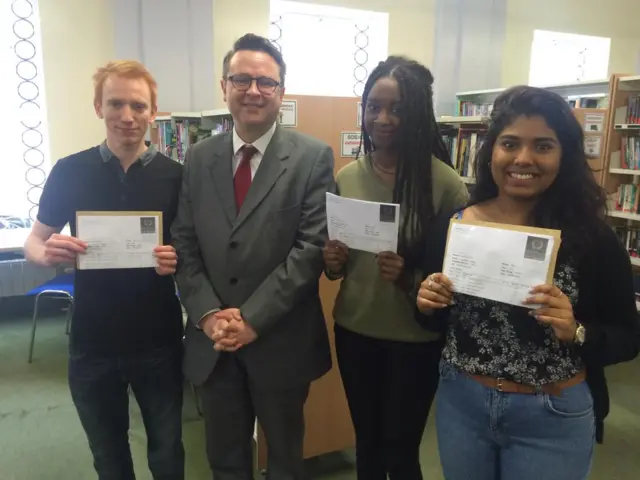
(17, 276)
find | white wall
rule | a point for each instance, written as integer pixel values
(77, 37)
(616, 19)
(174, 39)
(230, 22)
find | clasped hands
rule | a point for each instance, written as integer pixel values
(553, 307)
(61, 249)
(336, 254)
(228, 330)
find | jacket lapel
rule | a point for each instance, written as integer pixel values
(270, 169)
(222, 175)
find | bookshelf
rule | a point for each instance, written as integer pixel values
(174, 132)
(621, 163)
(589, 94)
(463, 136)
(463, 131)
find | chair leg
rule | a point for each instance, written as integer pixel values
(33, 327)
(196, 398)
(67, 327)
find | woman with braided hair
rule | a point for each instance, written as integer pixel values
(388, 364)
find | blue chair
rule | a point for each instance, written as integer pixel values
(58, 288)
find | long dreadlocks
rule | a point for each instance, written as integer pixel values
(418, 140)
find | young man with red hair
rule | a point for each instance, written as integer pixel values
(126, 329)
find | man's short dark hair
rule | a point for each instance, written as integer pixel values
(255, 43)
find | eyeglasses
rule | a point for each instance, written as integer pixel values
(242, 82)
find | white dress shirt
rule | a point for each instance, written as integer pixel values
(260, 144)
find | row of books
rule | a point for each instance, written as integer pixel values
(470, 109)
(633, 110)
(630, 238)
(463, 149)
(626, 198)
(174, 138)
(226, 125)
(630, 153)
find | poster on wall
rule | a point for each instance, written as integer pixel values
(359, 115)
(350, 144)
(594, 122)
(289, 113)
(592, 145)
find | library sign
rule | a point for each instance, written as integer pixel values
(350, 143)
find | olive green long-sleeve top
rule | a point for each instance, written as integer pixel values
(366, 303)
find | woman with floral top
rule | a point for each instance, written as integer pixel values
(522, 392)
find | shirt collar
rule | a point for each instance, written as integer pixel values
(146, 157)
(260, 144)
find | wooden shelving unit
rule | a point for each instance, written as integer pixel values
(618, 172)
(474, 107)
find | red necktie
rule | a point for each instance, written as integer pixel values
(242, 178)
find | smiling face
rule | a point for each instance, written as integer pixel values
(382, 116)
(256, 106)
(526, 158)
(127, 110)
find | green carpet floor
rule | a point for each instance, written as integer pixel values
(41, 437)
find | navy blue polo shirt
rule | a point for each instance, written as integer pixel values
(117, 310)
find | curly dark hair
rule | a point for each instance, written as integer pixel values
(419, 139)
(574, 203)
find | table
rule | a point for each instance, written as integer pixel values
(12, 239)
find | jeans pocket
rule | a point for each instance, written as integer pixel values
(573, 402)
(447, 371)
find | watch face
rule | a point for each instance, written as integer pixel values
(580, 334)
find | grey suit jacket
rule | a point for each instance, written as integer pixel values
(266, 261)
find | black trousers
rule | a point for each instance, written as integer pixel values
(99, 385)
(231, 403)
(390, 387)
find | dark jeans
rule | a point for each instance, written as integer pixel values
(99, 388)
(390, 387)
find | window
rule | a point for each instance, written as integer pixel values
(558, 58)
(25, 149)
(328, 50)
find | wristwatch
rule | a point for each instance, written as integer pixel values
(580, 335)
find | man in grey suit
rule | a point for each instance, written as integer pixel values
(249, 234)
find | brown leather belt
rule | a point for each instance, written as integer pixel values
(507, 386)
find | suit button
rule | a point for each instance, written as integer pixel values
(233, 281)
(233, 245)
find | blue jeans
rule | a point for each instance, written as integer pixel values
(484, 434)
(99, 388)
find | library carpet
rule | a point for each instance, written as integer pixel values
(41, 437)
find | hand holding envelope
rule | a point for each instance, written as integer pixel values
(60, 249)
(123, 240)
(361, 225)
(167, 259)
(505, 263)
